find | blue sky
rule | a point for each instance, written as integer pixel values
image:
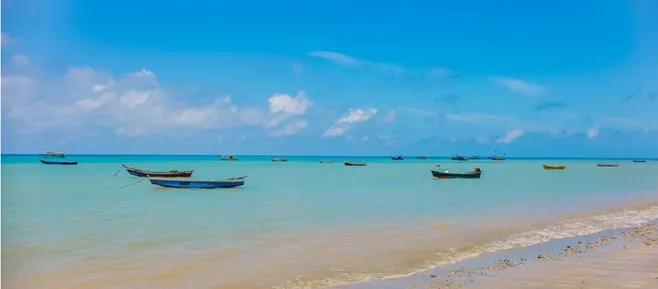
(529, 78)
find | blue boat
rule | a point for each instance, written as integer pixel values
(185, 183)
(45, 162)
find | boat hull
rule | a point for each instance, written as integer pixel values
(397, 158)
(607, 165)
(464, 175)
(639, 161)
(355, 164)
(194, 184)
(170, 174)
(549, 167)
(61, 163)
(459, 158)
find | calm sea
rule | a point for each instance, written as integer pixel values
(300, 224)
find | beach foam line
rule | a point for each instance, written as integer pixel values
(564, 229)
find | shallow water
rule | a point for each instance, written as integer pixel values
(295, 224)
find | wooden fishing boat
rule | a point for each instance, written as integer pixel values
(278, 160)
(607, 165)
(353, 164)
(166, 174)
(475, 174)
(421, 157)
(459, 158)
(52, 154)
(639, 161)
(497, 158)
(551, 167)
(185, 183)
(62, 162)
(228, 158)
(398, 158)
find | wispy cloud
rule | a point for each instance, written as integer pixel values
(441, 73)
(347, 60)
(510, 136)
(520, 86)
(419, 111)
(475, 117)
(550, 105)
(593, 132)
(345, 123)
(5, 39)
(390, 116)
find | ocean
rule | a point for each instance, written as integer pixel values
(299, 224)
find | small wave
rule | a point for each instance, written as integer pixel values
(560, 230)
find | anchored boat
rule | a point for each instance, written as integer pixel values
(228, 158)
(45, 162)
(475, 174)
(551, 167)
(162, 174)
(353, 164)
(607, 165)
(52, 154)
(184, 183)
(398, 158)
(459, 158)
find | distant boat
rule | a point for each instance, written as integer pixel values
(353, 164)
(59, 162)
(474, 157)
(459, 158)
(228, 158)
(551, 167)
(421, 157)
(398, 158)
(278, 160)
(497, 158)
(326, 162)
(475, 174)
(607, 165)
(52, 154)
(162, 174)
(639, 161)
(197, 184)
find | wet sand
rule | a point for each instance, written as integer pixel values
(619, 259)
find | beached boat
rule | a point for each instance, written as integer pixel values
(228, 158)
(421, 157)
(639, 161)
(278, 160)
(459, 158)
(52, 154)
(163, 174)
(607, 165)
(551, 167)
(398, 158)
(45, 162)
(197, 184)
(475, 174)
(353, 164)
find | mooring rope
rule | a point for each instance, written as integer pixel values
(142, 179)
(115, 174)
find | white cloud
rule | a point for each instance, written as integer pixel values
(20, 60)
(440, 73)
(520, 86)
(475, 117)
(343, 124)
(510, 137)
(593, 132)
(86, 100)
(390, 116)
(347, 60)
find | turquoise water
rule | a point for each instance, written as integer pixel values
(296, 224)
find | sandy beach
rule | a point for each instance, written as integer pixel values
(627, 259)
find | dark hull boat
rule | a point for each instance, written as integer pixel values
(459, 158)
(498, 158)
(326, 162)
(228, 158)
(553, 167)
(183, 183)
(168, 174)
(421, 157)
(64, 163)
(351, 164)
(278, 160)
(607, 165)
(460, 175)
(639, 161)
(474, 157)
(398, 158)
(51, 154)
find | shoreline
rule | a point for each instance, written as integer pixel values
(527, 266)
